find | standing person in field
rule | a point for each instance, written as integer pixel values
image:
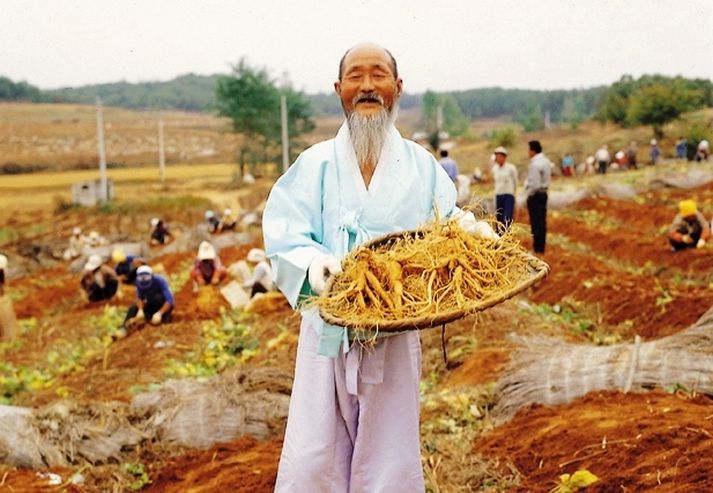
(353, 424)
(449, 164)
(631, 152)
(505, 179)
(603, 158)
(536, 185)
(681, 145)
(654, 152)
(689, 228)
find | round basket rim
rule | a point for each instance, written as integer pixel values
(537, 270)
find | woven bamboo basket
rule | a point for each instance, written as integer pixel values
(533, 271)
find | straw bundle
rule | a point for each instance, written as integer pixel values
(552, 372)
(191, 413)
(418, 279)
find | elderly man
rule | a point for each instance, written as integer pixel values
(505, 178)
(353, 423)
(536, 185)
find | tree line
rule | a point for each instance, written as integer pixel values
(649, 100)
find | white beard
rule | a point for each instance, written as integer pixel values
(368, 134)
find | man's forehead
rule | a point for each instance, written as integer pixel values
(367, 55)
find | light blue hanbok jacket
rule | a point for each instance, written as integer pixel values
(322, 206)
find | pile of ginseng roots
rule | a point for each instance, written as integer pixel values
(440, 269)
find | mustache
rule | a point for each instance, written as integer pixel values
(367, 96)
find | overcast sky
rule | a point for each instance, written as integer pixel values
(439, 45)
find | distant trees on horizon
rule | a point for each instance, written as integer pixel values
(649, 100)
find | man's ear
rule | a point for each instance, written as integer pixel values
(399, 87)
(338, 88)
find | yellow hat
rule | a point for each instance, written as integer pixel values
(687, 208)
(118, 255)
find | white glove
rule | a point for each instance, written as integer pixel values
(140, 314)
(156, 318)
(320, 269)
(687, 239)
(700, 243)
(467, 221)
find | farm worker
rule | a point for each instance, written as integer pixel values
(654, 151)
(99, 281)
(126, 265)
(213, 222)
(3, 267)
(160, 235)
(631, 153)
(536, 185)
(353, 423)
(449, 165)
(227, 221)
(505, 179)
(681, 144)
(154, 301)
(95, 240)
(207, 267)
(261, 279)
(702, 151)
(8, 321)
(602, 156)
(77, 242)
(689, 228)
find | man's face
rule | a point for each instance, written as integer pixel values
(500, 158)
(368, 84)
(531, 153)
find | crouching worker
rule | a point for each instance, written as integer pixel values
(126, 265)
(689, 228)
(99, 281)
(207, 267)
(261, 279)
(154, 301)
(227, 222)
(160, 235)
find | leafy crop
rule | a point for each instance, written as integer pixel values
(225, 343)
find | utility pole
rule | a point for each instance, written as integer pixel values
(285, 142)
(161, 152)
(103, 192)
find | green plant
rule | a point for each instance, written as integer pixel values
(137, 472)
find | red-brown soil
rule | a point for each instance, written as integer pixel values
(636, 442)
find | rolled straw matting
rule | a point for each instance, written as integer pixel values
(534, 270)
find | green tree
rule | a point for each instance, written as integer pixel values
(251, 99)
(453, 120)
(659, 103)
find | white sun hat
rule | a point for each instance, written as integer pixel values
(206, 251)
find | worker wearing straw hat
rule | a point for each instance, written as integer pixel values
(353, 423)
(689, 228)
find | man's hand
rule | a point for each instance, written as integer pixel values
(214, 281)
(687, 239)
(156, 318)
(700, 243)
(140, 315)
(467, 221)
(320, 269)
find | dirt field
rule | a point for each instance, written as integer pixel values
(612, 277)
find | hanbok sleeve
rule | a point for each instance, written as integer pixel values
(293, 226)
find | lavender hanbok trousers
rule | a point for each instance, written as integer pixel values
(353, 424)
